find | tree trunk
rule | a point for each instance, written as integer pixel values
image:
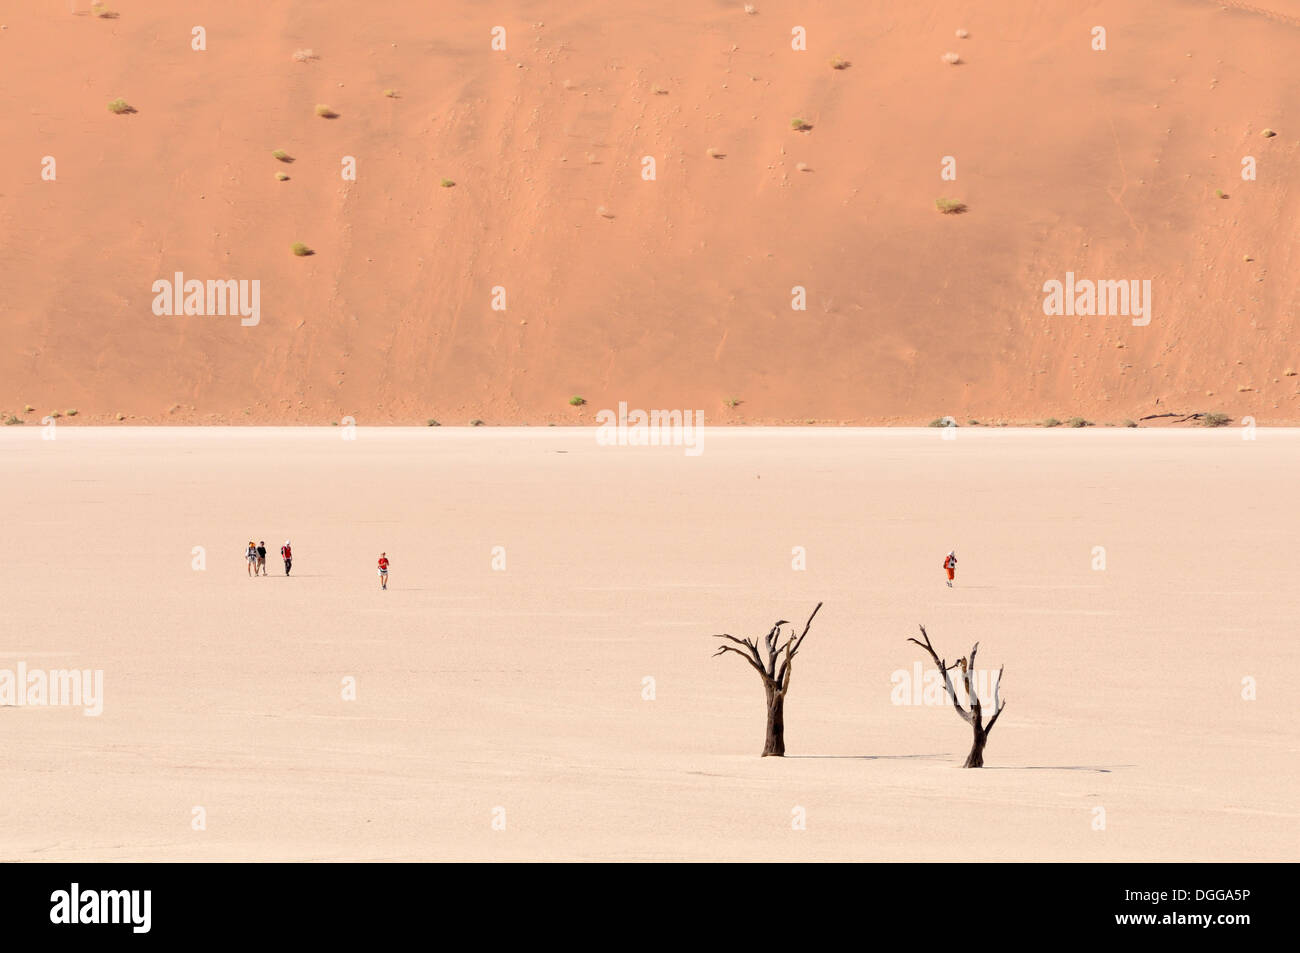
(774, 743)
(976, 757)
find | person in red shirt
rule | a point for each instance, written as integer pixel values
(286, 553)
(383, 570)
(950, 564)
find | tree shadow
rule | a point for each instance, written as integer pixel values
(1053, 767)
(873, 757)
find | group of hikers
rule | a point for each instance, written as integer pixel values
(255, 556)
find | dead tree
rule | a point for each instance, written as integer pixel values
(776, 680)
(975, 716)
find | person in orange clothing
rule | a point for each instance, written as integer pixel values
(950, 564)
(383, 570)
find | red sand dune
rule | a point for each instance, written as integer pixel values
(1105, 164)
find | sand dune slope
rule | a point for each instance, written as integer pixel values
(668, 292)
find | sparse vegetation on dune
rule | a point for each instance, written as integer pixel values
(577, 401)
(1130, 423)
(950, 206)
(432, 423)
(303, 56)
(715, 153)
(301, 250)
(390, 93)
(12, 421)
(72, 412)
(1214, 420)
(446, 183)
(800, 125)
(1268, 133)
(1079, 422)
(659, 90)
(952, 59)
(732, 402)
(103, 12)
(282, 177)
(1051, 422)
(325, 112)
(839, 62)
(282, 155)
(476, 422)
(962, 34)
(604, 212)
(120, 106)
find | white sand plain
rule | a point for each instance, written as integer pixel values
(522, 689)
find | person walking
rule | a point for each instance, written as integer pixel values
(250, 556)
(383, 570)
(286, 553)
(950, 564)
(261, 556)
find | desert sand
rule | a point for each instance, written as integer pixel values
(522, 688)
(671, 292)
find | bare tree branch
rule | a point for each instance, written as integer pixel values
(944, 667)
(792, 649)
(753, 664)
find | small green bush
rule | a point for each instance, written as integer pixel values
(1215, 420)
(577, 401)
